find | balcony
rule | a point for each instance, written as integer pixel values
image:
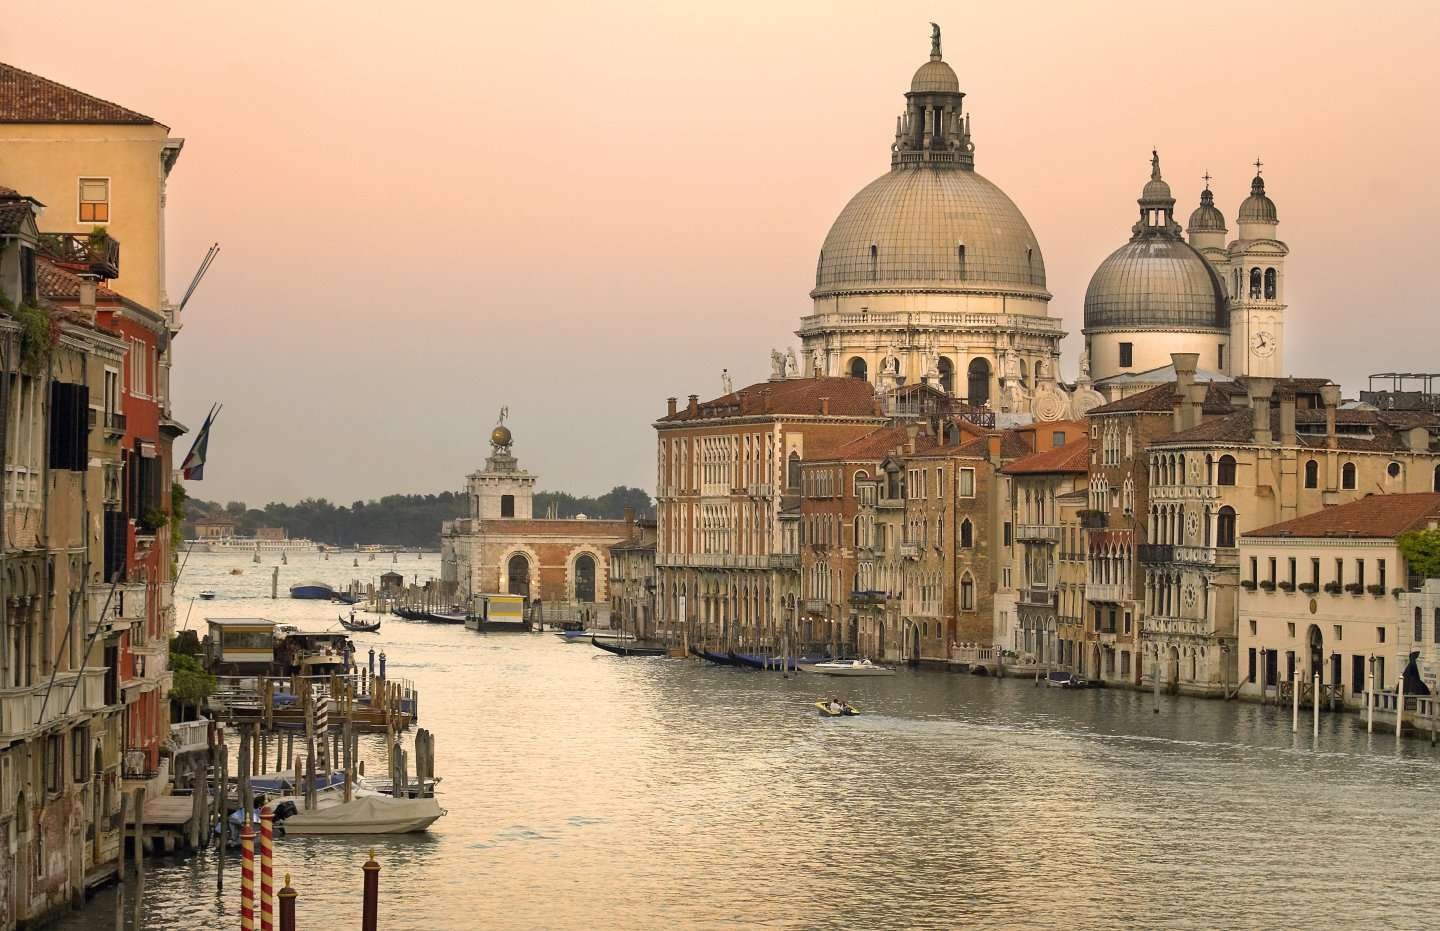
(897, 504)
(1152, 554)
(1219, 557)
(189, 736)
(97, 254)
(1037, 533)
(815, 606)
(1094, 520)
(1111, 592)
(784, 561)
(1039, 597)
(867, 598)
(29, 709)
(114, 424)
(909, 550)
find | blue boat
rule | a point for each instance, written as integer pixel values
(312, 590)
(719, 659)
(770, 661)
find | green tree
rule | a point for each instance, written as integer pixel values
(1421, 549)
(191, 684)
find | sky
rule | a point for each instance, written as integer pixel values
(430, 210)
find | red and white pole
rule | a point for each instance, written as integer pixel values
(267, 869)
(247, 877)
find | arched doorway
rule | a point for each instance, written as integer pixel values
(858, 368)
(978, 393)
(518, 571)
(1174, 668)
(914, 644)
(585, 578)
(1315, 641)
(880, 644)
(947, 375)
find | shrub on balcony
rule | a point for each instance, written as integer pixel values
(1248, 584)
(1332, 588)
(1267, 585)
(1397, 591)
(1354, 588)
(1376, 590)
(1309, 588)
(1287, 586)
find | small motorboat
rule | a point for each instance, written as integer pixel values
(622, 648)
(1062, 679)
(207, 595)
(848, 667)
(359, 627)
(368, 812)
(835, 708)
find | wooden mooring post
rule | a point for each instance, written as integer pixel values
(370, 907)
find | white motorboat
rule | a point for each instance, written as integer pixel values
(207, 595)
(847, 667)
(585, 636)
(367, 812)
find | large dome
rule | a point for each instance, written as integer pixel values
(930, 228)
(1156, 283)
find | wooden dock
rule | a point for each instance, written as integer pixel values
(166, 825)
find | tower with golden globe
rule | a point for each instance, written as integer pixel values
(502, 488)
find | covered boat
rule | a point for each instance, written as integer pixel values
(367, 812)
(312, 590)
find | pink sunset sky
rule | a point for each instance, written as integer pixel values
(430, 210)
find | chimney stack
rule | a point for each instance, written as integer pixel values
(825, 406)
(1260, 390)
(911, 430)
(1185, 414)
(87, 296)
(1330, 397)
(1418, 439)
(670, 407)
(694, 406)
(629, 514)
(1287, 419)
(993, 445)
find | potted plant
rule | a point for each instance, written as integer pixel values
(1309, 588)
(1377, 590)
(1287, 586)
(1332, 588)
(1267, 585)
(1354, 588)
(1248, 584)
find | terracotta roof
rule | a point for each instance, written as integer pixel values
(29, 98)
(1071, 457)
(13, 216)
(849, 397)
(1372, 517)
(60, 284)
(878, 444)
(1161, 400)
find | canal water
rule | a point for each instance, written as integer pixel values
(586, 791)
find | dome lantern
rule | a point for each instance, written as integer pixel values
(933, 129)
(1258, 208)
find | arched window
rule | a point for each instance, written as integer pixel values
(792, 471)
(1226, 472)
(1270, 284)
(1435, 479)
(967, 534)
(947, 375)
(1312, 474)
(1024, 374)
(978, 383)
(1206, 541)
(857, 368)
(960, 260)
(1347, 476)
(585, 578)
(1255, 287)
(1209, 469)
(875, 260)
(967, 593)
(1393, 470)
(855, 481)
(1225, 527)
(518, 570)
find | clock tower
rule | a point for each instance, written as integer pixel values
(1257, 288)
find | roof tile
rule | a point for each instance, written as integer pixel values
(29, 98)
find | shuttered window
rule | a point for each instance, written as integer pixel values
(69, 426)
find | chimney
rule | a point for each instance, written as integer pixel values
(1185, 414)
(911, 431)
(993, 444)
(694, 406)
(1330, 397)
(825, 406)
(629, 513)
(87, 296)
(1287, 419)
(670, 407)
(1260, 390)
(1418, 439)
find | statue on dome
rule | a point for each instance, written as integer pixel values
(504, 412)
(792, 367)
(1085, 364)
(726, 382)
(935, 41)
(1154, 165)
(777, 365)
(817, 363)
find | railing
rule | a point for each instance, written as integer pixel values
(867, 598)
(1155, 553)
(815, 605)
(1039, 533)
(817, 322)
(189, 736)
(99, 254)
(972, 653)
(1041, 597)
(891, 503)
(1222, 557)
(909, 550)
(1108, 592)
(785, 561)
(27, 709)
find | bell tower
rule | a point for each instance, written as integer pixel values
(1257, 287)
(502, 489)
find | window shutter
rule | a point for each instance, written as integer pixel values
(115, 544)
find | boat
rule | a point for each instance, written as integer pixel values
(237, 571)
(622, 648)
(367, 812)
(313, 590)
(437, 617)
(360, 627)
(719, 659)
(847, 667)
(581, 636)
(771, 661)
(346, 598)
(1062, 679)
(207, 595)
(834, 708)
(496, 612)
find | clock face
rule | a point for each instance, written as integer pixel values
(1262, 343)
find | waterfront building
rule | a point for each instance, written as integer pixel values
(560, 565)
(728, 505)
(932, 275)
(214, 528)
(632, 581)
(1324, 594)
(1418, 629)
(1046, 493)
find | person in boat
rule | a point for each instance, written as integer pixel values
(836, 706)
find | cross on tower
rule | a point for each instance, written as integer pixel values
(1206, 176)
(1258, 165)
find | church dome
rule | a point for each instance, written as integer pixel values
(1155, 283)
(930, 228)
(1257, 208)
(935, 77)
(1206, 218)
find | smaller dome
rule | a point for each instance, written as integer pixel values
(935, 77)
(1156, 189)
(500, 436)
(1257, 208)
(1207, 218)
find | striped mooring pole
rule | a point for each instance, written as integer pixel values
(247, 878)
(370, 906)
(267, 869)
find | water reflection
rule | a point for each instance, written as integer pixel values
(588, 791)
